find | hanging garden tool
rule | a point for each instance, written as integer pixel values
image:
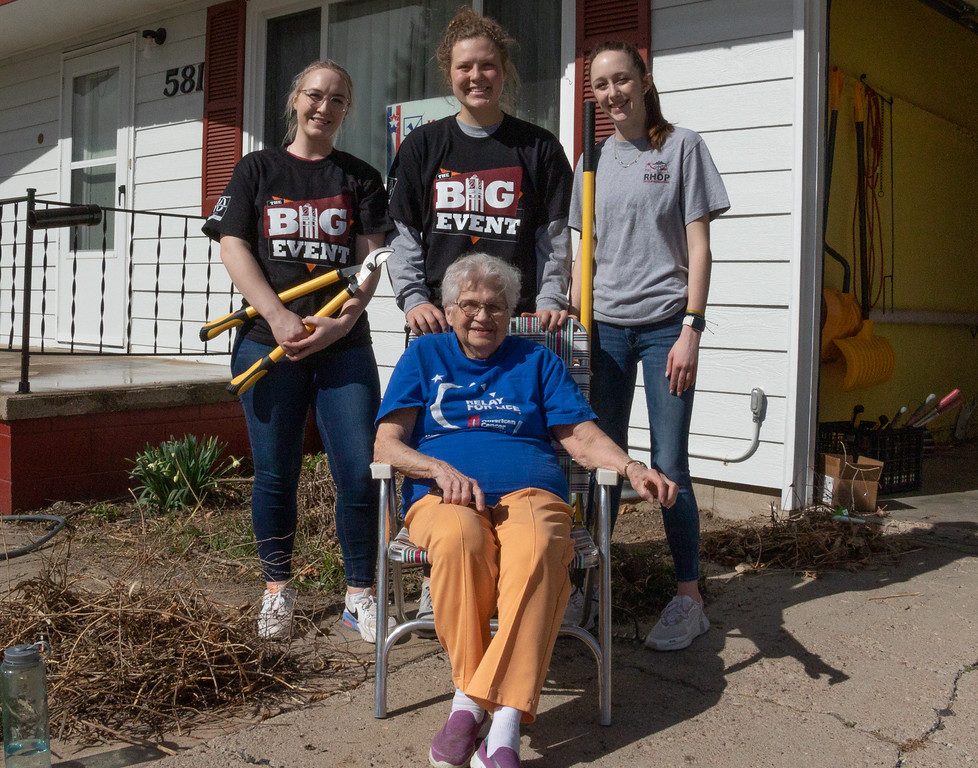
(374, 260)
(244, 314)
(841, 315)
(869, 359)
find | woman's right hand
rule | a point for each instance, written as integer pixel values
(426, 318)
(287, 327)
(457, 488)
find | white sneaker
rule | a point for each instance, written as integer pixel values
(361, 614)
(681, 622)
(574, 613)
(275, 616)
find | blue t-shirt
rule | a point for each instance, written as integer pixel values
(490, 419)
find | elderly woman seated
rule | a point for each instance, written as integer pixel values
(468, 418)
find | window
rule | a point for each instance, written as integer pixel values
(536, 29)
(94, 132)
(292, 43)
(388, 46)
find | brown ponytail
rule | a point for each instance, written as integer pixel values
(656, 126)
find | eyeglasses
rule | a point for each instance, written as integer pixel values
(333, 102)
(471, 308)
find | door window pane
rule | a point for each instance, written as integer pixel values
(388, 47)
(96, 185)
(95, 115)
(293, 42)
(536, 29)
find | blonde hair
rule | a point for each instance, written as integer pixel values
(656, 126)
(477, 269)
(468, 24)
(291, 119)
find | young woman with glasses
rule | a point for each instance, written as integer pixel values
(288, 215)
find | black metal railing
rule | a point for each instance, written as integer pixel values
(84, 279)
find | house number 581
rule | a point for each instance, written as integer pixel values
(185, 79)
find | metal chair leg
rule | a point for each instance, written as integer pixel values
(605, 478)
(383, 473)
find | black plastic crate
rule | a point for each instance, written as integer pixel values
(901, 450)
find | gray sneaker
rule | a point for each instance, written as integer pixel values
(681, 622)
(275, 615)
(425, 609)
(574, 613)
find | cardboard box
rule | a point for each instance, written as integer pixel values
(850, 483)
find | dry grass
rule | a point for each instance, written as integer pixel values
(151, 621)
(808, 541)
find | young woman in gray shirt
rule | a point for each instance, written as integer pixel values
(656, 191)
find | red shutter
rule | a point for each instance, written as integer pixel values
(223, 98)
(597, 22)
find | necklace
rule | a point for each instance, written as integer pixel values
(628, 164)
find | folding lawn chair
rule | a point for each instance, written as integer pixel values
(397, 552)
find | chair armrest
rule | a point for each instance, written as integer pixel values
(604, 476)
(380, 471)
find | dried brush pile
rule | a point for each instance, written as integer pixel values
(808, 541)
(138, 658)
(143, 644)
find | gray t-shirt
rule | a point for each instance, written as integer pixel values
(643, 201)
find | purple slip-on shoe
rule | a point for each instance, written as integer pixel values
(454, 744)
(503, 757)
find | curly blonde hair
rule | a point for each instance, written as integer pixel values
(468, 24)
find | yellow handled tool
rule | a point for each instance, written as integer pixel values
(235, 319)
(374, 260)
(587, 222)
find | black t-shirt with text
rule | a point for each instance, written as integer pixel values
(301, 219)
(490, 194)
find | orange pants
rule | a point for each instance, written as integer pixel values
(513, 557)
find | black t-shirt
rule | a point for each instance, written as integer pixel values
(301, 219)
(490, 194)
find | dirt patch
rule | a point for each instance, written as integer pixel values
(152, 619)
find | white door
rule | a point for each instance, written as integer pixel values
(96, 131)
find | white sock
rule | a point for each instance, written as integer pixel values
(505, 730)
(462, 703)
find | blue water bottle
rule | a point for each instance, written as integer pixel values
(24, 695)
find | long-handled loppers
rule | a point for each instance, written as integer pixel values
(375, 259)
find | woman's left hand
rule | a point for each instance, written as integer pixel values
(651, 484)
(325, 331)
(683, 360)
(550, 319)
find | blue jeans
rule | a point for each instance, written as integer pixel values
(343, 390)
(615, 354)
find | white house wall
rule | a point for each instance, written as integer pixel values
(726, 69)
(167, 158)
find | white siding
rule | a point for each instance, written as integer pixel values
(166, 168)
(725, 68)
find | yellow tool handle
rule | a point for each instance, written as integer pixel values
(837, 81)
(235, 319)
(588, 168)
(246, 380)
(587, 253)
(226, 323)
